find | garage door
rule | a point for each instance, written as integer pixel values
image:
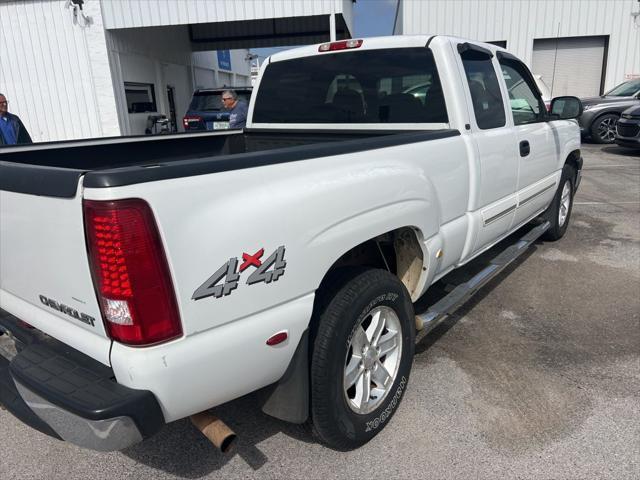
(570, 66)
(224, 80)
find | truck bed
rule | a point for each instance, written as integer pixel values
(54, 168)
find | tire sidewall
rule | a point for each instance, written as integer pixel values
(595, 135)
(357, 429)
(556, 231)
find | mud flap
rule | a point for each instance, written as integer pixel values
(288, 399)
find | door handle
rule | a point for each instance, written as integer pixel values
(525, 148)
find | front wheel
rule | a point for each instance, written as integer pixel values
(361, 359)
(559, 211)
(603, 129)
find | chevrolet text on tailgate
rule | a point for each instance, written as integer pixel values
(145, 280)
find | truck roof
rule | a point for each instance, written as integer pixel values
(373, 43)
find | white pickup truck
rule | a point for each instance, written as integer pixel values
(144, 280)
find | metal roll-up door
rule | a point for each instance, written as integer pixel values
(224, 79)
(570, 66)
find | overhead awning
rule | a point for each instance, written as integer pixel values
(230, 25)
(271, 32)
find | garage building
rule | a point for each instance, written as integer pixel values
(96, 68)
(579, 47)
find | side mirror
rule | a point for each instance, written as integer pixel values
(564, 108)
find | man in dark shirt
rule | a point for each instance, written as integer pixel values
(238, 107)
(12, 130)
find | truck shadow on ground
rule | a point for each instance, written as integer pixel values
(626, 152)
(180, 449)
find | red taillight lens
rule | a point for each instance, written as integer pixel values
(342, 45)
(130, 272)
(188, 120)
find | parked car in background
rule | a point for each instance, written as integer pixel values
(545, 91)
(600, 115)
(628, 128)
(206, 111)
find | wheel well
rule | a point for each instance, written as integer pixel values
(595, 119)
(397, 251)
(575, 161)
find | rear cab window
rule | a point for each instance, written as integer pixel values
(385, 86)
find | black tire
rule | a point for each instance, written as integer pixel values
(603, 129)
(363, 291)
(553, 214)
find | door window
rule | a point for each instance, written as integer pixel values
(484, 88)
(526, 104)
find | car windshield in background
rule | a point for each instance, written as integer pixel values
(212, 101)
(626, 89)
(370, 86)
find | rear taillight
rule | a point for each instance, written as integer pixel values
(130, 272)
(189, 119)
(341, 45)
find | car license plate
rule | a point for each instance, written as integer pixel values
(220, 125)
(209, 125)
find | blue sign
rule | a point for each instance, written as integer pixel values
(224, 59)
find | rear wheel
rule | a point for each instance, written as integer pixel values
(559, 211)
(603, 129)
(361, 358)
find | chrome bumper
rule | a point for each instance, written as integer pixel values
(68, 395)
(101, 435)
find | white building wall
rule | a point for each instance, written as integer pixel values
(145, 13)
(55, 74)
(206, 63)
(520, 22)
(66, 80)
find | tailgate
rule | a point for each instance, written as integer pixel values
(44, 270)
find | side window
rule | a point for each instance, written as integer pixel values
(525, 102)
(140, 97)
(484, 88)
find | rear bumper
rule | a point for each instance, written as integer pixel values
(68, 395)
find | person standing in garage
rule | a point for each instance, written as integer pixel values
(237, 107)
(12, 130)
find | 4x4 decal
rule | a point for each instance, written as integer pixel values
(268, 271)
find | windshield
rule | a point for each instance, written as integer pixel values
(212, 101)
(368, 86)
(626, 89)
